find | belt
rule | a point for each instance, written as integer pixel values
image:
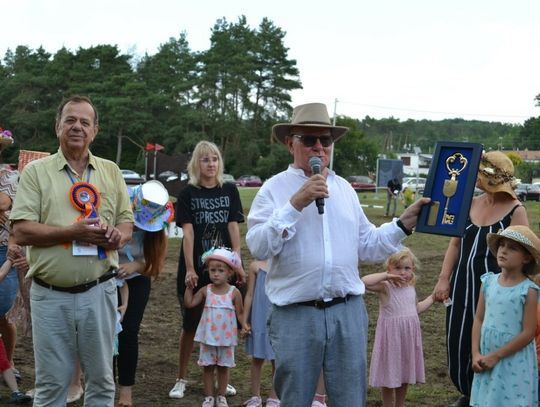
(321, 304)
(81, 288)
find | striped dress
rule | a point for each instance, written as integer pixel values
(8, 185)
(474, 259)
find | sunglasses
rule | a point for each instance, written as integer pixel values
(310, 141)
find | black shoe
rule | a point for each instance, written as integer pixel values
(18, 397)
(463, 401)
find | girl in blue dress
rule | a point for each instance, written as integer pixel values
(503, 347)
(256, 308)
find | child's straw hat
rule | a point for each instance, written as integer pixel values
(522, 235)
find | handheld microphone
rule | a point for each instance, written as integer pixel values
(315, 164)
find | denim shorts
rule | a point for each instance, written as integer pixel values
(8, 286)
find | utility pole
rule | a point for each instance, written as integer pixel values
(333, 124)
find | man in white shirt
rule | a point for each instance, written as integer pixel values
(318, 318)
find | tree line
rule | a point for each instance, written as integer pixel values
(231, 93)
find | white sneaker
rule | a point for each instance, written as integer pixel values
(221, 401)
(254, 401)
(178, 390)
(208, 402)
(272, 402)
(231, 391)
(317, 403)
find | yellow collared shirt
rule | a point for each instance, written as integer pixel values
(43, 196)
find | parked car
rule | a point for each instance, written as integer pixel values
(521, 191)
(362, 183)
(132, 177)
(248, 181)
(528, 192)
(228, 178)
(414, 183)
(166, 176)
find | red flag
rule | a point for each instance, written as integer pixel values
(149, 147)
(159, 147)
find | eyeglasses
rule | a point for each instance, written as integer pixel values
(310, 141)
(208, 160)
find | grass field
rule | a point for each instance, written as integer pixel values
(161, 328)
(430, 249)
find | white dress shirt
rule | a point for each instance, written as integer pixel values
(313, 256)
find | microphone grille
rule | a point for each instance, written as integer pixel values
(314, 161)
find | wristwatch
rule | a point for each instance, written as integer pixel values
(400, 224)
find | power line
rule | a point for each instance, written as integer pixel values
(432, 111)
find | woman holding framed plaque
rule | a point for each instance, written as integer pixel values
(468, 257)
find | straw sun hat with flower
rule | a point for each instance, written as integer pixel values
(525, 237)
(496, 173)
(6, 138)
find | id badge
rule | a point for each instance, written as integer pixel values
(82, 249)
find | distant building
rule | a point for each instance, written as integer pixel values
(418, 163)
(415, 163)
(530, 156)
(170, 170)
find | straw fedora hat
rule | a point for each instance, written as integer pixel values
(522, 235)
(314, 115)
(496, 173)
(152, 210)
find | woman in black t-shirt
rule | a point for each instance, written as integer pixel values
(209, 211)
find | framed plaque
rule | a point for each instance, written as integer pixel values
(450, 185)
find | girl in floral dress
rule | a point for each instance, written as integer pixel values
(217, 332)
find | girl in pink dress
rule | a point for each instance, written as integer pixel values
(397, 359)
(217, 331)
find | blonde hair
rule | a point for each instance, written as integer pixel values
(204, 148)
(398, 257)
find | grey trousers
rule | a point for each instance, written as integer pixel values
(307, 339)
(66, 326)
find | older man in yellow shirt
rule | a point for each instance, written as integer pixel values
(73, 212)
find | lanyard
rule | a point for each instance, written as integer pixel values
(68, 172)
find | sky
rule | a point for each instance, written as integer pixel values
(415, 59)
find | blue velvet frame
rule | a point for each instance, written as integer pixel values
(459, 204)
